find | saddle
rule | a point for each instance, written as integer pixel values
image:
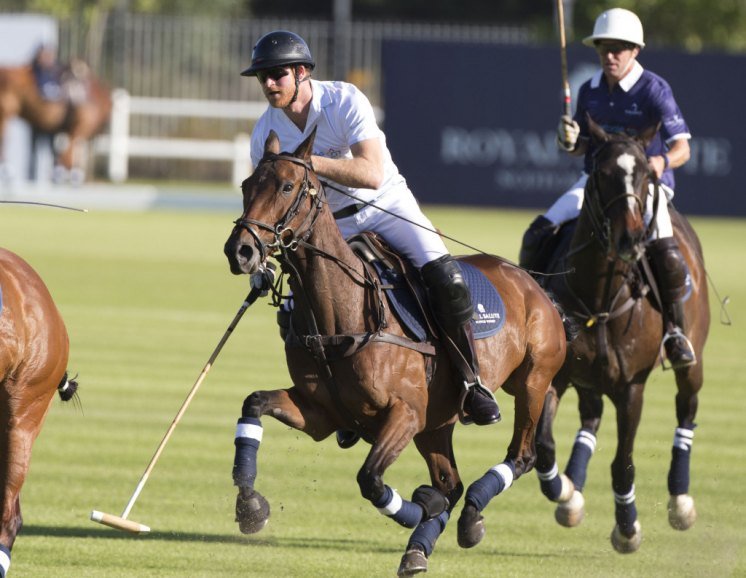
(401, 283)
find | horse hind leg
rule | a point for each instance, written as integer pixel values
(252, 509)
(436, 447)
(521, 456)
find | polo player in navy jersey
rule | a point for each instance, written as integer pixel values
(624, 97)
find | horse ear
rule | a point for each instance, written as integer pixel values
(598, 134)
(647, 136)
(272, 144)
(304, 149)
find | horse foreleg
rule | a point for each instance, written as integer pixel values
(436, 447)
(555, 486)
(400, 426)
(627, 534)
(287, 406)
(681, 511)
(571, 508)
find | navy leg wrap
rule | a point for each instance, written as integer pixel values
(678, 475)
(582, 450)
(550, 483)
(4, 560)
(490, 485)
(427, 533)
(248, 438)
(402, 511)
(625, 511)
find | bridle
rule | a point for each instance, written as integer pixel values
(598, 212)
(286, 238)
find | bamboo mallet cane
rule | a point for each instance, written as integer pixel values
(121, 522)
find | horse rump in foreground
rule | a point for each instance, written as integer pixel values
(353, 371)
(79, 116)
(33, 361)
(608, 285)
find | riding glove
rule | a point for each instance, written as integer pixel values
(567, 133)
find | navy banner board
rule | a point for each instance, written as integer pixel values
(474, 124)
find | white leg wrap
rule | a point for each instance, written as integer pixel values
(393, 506)
(504, 471)
(624, 499)
(248, 430)
(683, 439)
(550, 475)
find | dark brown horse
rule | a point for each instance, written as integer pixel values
(82, 114)
(351, 371)
(607, 285)
(33, 361)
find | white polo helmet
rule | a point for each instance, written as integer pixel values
(617, 24)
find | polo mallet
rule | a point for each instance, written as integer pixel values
(260, 284)
(563, 57)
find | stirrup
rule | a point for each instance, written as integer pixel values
(479, 387)
(674, 334)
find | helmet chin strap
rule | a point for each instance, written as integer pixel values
(297, 84)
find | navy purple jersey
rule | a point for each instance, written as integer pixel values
(640, 100)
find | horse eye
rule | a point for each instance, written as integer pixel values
(287, 188)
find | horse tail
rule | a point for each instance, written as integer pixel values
(67, 388)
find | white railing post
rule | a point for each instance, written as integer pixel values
(241, 158)
(119, 132)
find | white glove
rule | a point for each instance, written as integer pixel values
(567, 133)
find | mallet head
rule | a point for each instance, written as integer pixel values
(119, 523)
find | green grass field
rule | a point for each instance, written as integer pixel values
(146, 298)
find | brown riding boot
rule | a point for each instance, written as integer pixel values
(670, 270)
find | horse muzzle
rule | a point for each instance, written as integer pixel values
(243, 256)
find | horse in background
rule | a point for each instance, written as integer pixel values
(33, 360)
(603, 280)
(354, 367)
(81, 113)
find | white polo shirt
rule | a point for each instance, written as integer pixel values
(343, 116)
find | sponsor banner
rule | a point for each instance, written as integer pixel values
(474, 124)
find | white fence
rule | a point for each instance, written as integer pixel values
(120, 145)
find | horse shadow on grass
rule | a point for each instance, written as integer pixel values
(315, 543)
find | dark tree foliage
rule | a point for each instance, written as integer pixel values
(507, 12)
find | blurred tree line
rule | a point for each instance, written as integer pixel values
(693, 25)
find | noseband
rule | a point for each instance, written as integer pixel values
(285, 237)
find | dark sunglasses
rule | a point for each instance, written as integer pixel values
(613, 47)
(273, 73)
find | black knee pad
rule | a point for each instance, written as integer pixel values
(447, 290)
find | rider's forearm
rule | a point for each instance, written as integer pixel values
(355, 172)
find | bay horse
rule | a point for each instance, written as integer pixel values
(33, 359)
(79, 116)
(352, 368)
(606, 284)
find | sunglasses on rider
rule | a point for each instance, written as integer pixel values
(273, 73)
(613, 47)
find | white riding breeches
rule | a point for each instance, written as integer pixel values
(568, 207)
(415, 237)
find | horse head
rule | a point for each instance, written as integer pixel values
(281, 202)
(617, 191)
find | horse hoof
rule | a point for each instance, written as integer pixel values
(681, 512)
(470, 527)
(413, 562)
(252, 511)
(624, 544)
(571, 512)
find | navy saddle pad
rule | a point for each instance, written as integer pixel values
(489, 308)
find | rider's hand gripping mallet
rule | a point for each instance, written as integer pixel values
(260, 285)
